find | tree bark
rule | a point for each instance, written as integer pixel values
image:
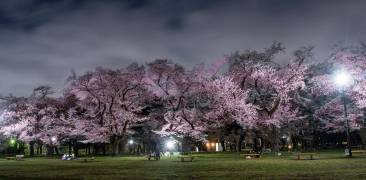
(56, 150)
(115, 142)
(31, 148)
(70, 146)
(75, 148)
(275, 140)
(222, 142)
(240, 142)
(50, 150)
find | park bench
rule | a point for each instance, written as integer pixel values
(10, 158)
(186, 158)
(311, 155)
(247, 150)
(153, 157)
(87, 159)
(250, 155)
(17, 157)
(363, 152)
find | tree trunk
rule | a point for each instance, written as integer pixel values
(120, 147)
(222, 142)
(240, 142)
(70, 146)
(75, 148)
(114, 145)
(275, 140)
(186, 144)
(104, 149)
(240, 139)
(56, 150)
(115, 141)
(31, 148)
(50, 150)
(40, 149)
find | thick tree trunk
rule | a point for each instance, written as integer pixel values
(240, 139)
(120, 147)
(31, 148)
(104, 149)
(115, 142)
(56, 150)
(75, 148)
(222, 142)
(258, 144)
(39, 149)
(275, 140)
(240, 142)
(50, 150)
(70, 146)
(114, 145)
(186, 144)
(88, 149)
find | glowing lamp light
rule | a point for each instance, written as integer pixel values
(290, 146)
(130, 141)
(12, 141)
(342, 79)
(53, 139)
(213, 144)
(170, 144)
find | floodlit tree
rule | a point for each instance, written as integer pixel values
(353, 61)
(270, 86)
(179, 90)
(112, 99)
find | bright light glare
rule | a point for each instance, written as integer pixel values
(130, 141)
(53, 139)
(170, 144)
(12, 141)
(342, 79)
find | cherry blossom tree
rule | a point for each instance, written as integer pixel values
(332, 119)
(270, 86)
(34, 120)
(352, 61)
(179, 91)
(112, 99)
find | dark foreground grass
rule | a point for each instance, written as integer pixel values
(328, 165)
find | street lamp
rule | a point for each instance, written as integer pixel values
(170, 144)
(343, 79)
(130, 142)
(12, 142)
(53, 139)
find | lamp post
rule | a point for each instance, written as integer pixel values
(170, 144)
(342, 80)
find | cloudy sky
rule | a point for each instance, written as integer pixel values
(41, 41)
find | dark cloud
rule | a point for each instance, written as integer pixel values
(41, 41)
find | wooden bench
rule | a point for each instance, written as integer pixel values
(311, 155)
(87, 159)
(186, 158)
(10, 158)
(251, 155)
(17, 157)
(362, 152)
(153, 157)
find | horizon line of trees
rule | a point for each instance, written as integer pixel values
(245, 97)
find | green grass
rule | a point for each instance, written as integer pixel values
(328, 165)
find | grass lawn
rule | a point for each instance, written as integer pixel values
(328, 165)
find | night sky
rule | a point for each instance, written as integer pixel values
(42, 41)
